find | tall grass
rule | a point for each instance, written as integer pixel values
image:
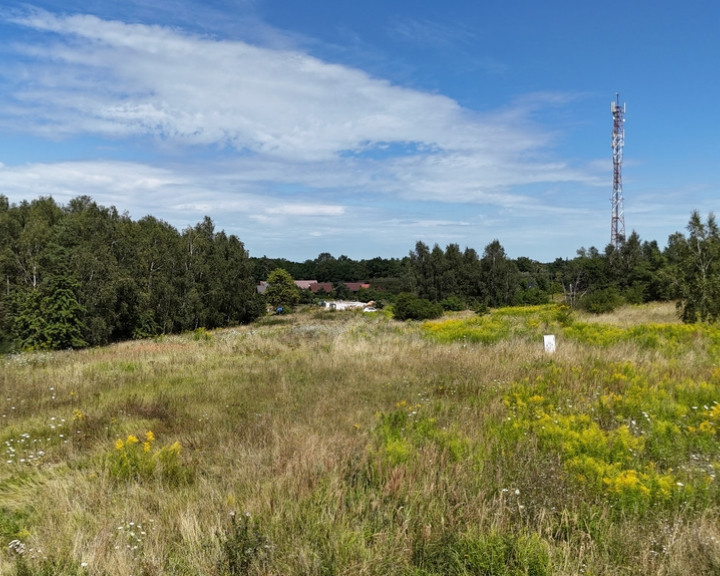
(352, 444)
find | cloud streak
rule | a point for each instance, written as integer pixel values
(118, 79)
(275, 118)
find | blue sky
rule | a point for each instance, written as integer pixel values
(358, 128)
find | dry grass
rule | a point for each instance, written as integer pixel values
(282, 421)
(653, 313)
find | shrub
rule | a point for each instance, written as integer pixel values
(410, 307)
(532, 297)
(635, 294)
(453, 304)
(601, 301)
(563, 315)
(480, 308)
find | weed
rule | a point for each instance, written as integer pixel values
(244, 548)
(135, 460)
(402, 432)
(201, 334)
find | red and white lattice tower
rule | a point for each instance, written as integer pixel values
(617, 220)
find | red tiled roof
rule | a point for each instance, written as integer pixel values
(321, 287)
(355, 286)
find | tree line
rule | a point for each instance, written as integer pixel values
(458, 278)
(632, 272)
(85, 275)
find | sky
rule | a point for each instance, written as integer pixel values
(360, 128)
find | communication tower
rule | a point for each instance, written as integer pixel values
(617, 220)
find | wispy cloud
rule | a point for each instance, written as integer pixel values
(432, 32)
(306, 210)
(120, 79)
(123, 79)
(454, 38)
(279, 116)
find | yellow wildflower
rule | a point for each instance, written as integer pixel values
(132, 439)
(146, 446)
(149, 436)
(24, 534)
(706, 427)
(119, 444)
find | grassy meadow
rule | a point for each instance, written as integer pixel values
(342, 443)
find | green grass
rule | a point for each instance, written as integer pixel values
(352, 444)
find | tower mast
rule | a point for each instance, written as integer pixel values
(617, 220)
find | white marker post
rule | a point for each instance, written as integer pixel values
(549, 341)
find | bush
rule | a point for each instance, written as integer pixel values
(307, 297)
(532, 297)
(601, 301)
(635, 294)
(410, 307)
(563, 315)
(453, 304)
(480, 308)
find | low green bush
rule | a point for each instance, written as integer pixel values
(601, 301)
(453, 304)
(410, 307)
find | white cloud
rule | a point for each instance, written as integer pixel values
(162, 192)
(145, 79)
(77, 178)
(275, 117)
(120, 79)
(306, 210)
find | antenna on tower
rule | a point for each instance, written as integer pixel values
(617, 220)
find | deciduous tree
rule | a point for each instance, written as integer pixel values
(697, 259)
(281, 291)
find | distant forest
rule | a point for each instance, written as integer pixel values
(85, 275)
